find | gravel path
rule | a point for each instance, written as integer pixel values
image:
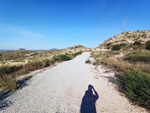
(60, 89)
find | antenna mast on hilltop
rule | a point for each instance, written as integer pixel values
(124, 25)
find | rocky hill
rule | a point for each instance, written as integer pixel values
(76, 48)
(127, 38)
(128, 55)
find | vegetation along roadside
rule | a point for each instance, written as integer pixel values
(131, 62)
(9, 73)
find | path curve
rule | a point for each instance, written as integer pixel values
(60, 89)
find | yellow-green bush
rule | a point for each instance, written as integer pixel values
(6, 69)
(8, 82)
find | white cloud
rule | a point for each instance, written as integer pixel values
(32, 35)
(17, 30)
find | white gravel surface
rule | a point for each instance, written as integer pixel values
(60, 89)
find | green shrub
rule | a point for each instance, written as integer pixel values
(17, 55)
(136, 86)
(37, 64)
(116, 47)
(7, 82)
(123, 44)
(108, 47)
(88, 61)
(138, 43)
(34, 65)
(77, 53)
(138, 56)
(61, 58)
(9, 69)
(147, 45)
(96, 62)
(109, 44)
(46, 63)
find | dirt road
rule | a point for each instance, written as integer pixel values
(60, 89)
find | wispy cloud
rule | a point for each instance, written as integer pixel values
(32, 35)
(20, 31)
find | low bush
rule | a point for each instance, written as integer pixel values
(119, 66)
(61, 58)
(108, 45)
(116, 47)
(9, 69)
(88, 61)
(77, 53)
(24, 69)
(138, 56)
(7, 82)
(147, 45)
(47, 63)
(123, 44)
(17, 55)
(96, 62)
(138, 43)
(37, 64)
(31, 66)
(136, 86)
(142, 66)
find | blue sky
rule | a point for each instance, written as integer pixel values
(45, 24)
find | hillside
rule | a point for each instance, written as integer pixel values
(128, 55)
(127, 38)
(73, 49)
(25, 56)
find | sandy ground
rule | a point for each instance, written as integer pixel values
(60, 89)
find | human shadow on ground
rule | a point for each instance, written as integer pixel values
(89, 101)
